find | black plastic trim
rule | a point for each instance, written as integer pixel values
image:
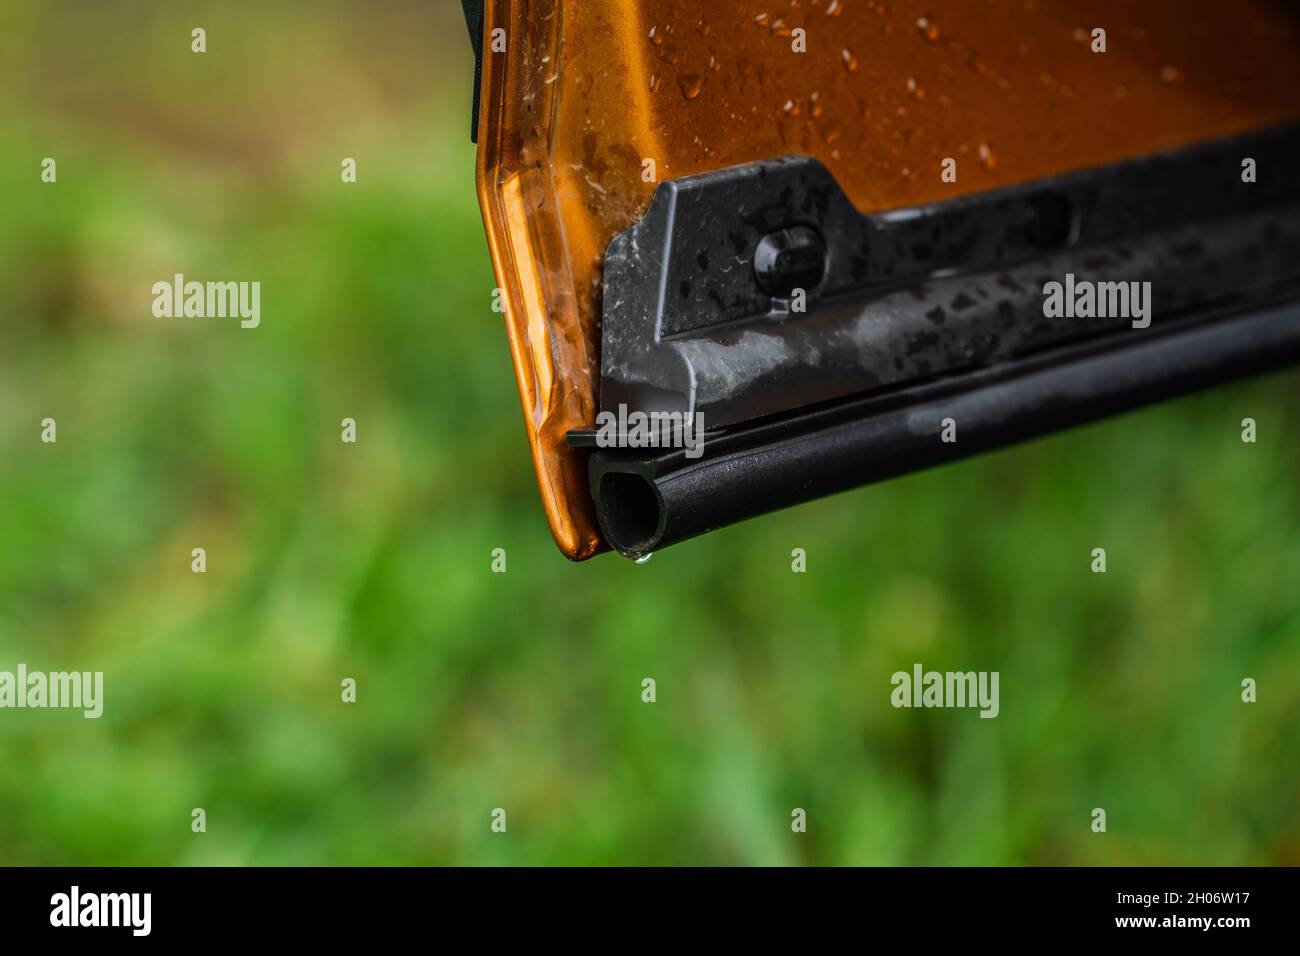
(474, 23)
(647, 503)
(697, 317)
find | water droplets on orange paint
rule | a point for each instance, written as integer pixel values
(928, 27)
(690, 85)
(850, 61)
(914, 89)
(834, 8)
(987, 157)
(814, 105)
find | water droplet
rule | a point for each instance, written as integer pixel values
(790, 108)
(654, 82)
(850, 61)
(914, 88)
(656, 37)
(690, 85)
(834, 8)
(929, 28)
(814, 107)
(987, 159)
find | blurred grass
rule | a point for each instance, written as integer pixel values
(522, 690)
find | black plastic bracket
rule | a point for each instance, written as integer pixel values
(757, 289)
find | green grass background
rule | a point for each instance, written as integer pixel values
(522, 690)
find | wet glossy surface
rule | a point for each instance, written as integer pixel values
(589, 105)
